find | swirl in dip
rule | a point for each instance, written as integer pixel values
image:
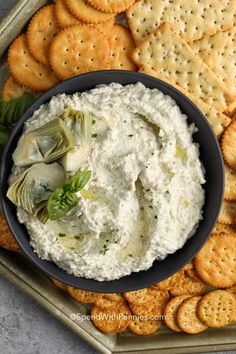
(144, 198)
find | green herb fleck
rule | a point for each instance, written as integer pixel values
(130, 135)
(61, 235)
(72, 248)
(94, 135)
(150, 206)
(148, 190)
(104, 250)
(77, 238)
(155, 217)
(142, 208)
(93, 121)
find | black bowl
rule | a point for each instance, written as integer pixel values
(211, 158)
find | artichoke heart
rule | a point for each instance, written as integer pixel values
(34, 187)
(81, 126)
(45, 144)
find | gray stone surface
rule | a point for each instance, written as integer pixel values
(25, 328)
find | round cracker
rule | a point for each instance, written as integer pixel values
(228, 145)
(224, 229)
(217, 308)
(109, 300)
(143, 296)
(114, 297)
(168, 283)
(7, 241)
(188, 286)
(84, 296)
(191, 273)
(230, 184)
(12, 89)
(87, 13)
(110, 6)
(171, 311)
(41, 30)
(26, 70)
(187, 316)
(144, 327)
(227, 213)
(147, 312)
(188, 266)
(153, 309)
(111, 320)
(63, 16)
(104, 303)
(59, 284)
(216, 262)
(79, 49)
(122, 44)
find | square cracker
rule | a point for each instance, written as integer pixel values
(170, 56)
(217, 120)
(219, 53)
(192, 19)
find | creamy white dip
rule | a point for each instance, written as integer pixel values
(146, 178)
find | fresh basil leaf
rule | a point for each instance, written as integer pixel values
(10, 112)
(60, 203)
(64, 198)
(76, 183)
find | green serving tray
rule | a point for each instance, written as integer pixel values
(23, 274)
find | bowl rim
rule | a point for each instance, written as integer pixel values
(100, 286)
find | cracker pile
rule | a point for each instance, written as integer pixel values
(69, 38)
(192, 46)
(201, 295)
(184, 302)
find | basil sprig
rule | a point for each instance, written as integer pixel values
(10, 112)
(64, 198)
